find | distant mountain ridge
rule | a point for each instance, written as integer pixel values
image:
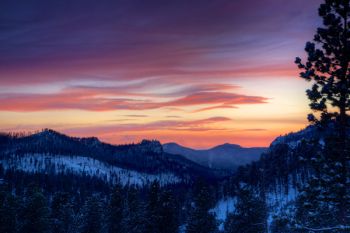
(226, 156)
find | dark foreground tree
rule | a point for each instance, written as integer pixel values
(250, 215)
(201, 220)
(169, 214)
(92, 222)
(324, 204)
(153, 208)
(62, 214)
(8, 212)
(36, 217)
(134, 220)
(115, 211)
(327, 65)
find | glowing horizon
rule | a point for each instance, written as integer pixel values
(199, 73)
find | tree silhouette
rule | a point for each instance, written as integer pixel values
(36, 214)
(327, 67)
(200, 219)
(327, 64)
(250, 215)
(115, 211)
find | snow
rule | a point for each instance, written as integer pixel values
(44, 163)
(277, 200)
(182, 229)
(293, 139)
(280, 198)
(222, 209)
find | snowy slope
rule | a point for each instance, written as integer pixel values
(277, 201)
(222, 208)
(136, 163)
(282, 170)
(79, 165)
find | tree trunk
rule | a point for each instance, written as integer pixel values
(342, 153)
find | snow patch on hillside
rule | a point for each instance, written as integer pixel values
(222, 209)
(278, 199)
(56, 164)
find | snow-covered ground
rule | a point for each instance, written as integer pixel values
(277, 201)
(222, 209)
(80, 165)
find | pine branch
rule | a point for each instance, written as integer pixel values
(340, 227)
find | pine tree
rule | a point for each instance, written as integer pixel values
(134, 214)
(319, 203)
(169, 216)
(115, 212)
(153, 209)
(325, 201)
(282, 222)
(250, 214)
(201, 220)
(36, 216)
(8, 212)
(62, 213)
(92, 216)
(328, 65)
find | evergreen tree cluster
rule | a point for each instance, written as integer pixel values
(201, 220)
(250, 215)
(124, 210)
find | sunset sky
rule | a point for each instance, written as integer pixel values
(195, 72)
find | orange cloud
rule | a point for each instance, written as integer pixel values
(175, 125)
(106, 99)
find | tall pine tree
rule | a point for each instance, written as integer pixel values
(8, 212)
(250, 214)
(92, 222)
(153, 208)
(36, 214)
(201, 220)
(115, 211)
(62, 214)
(134, 220)
(325, 201)
(169, 214)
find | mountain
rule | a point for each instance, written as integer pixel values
(86, 166)
(226, 156)
(49, 151)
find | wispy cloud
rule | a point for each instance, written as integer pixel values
(138, 58)
(102, 99)
(254, 130)
(136, 116)
(44, 41)
(203, 125)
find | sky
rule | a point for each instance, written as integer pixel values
(196, 72)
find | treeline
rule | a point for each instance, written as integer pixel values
(124, 210)
(39, 202)
(278, 171)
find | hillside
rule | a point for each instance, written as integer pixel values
(142, 163)
(279, 174)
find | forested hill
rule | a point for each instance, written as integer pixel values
(50, 149)
(50, 182)
(285, 166)
(279, 178)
